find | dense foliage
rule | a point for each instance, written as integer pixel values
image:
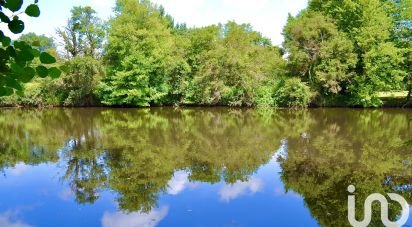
(20, 61)
(335, 53)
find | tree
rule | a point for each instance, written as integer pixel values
(83, 34)
(180, 73)
(83, 41)
(16, 57)
(139, 56)
(200, 41)
(77, 86)
(402, 36)
(152, 62)
(368, 24)
(339, 52)
(45, 43)
(235, 67)
(318, 52)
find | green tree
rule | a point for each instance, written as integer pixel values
(45, 42)
(368, 24)
(180, 72)
(83, 34)
(200, 41)
(83, 42)
(139, 54)
(77, 86)
(319, 53)
(238, 64)
(402, 36)
(294, 93)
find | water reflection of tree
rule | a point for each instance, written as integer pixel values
(19, 139)
(136, 152)
(85, 169)
(350, 149)
(151, 145)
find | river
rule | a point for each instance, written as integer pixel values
(199, 166)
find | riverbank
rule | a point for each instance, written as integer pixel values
(395, 99)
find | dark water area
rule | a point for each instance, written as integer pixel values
(200, 166)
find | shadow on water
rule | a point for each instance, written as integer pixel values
(135, 152)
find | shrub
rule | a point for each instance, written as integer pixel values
(79, 83)
(365, 97)
(264, 97)
(294, 93)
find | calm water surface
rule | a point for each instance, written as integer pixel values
(199, 167)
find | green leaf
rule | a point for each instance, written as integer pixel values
(27, 55)
(42, 71)
(4, 18)
(20, 59)
(10, 82)
(46, 58)
(19, 45)
(11, 51)
(14, 5)
(33, 10)
(16, 26)
(3, 54)
(28, 75)
(2, 79)
(17, 69)
(24, 56)
(54, 72)
(5, 41)
(36, 53)
(5, 91)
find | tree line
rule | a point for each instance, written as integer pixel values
(344, 53)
